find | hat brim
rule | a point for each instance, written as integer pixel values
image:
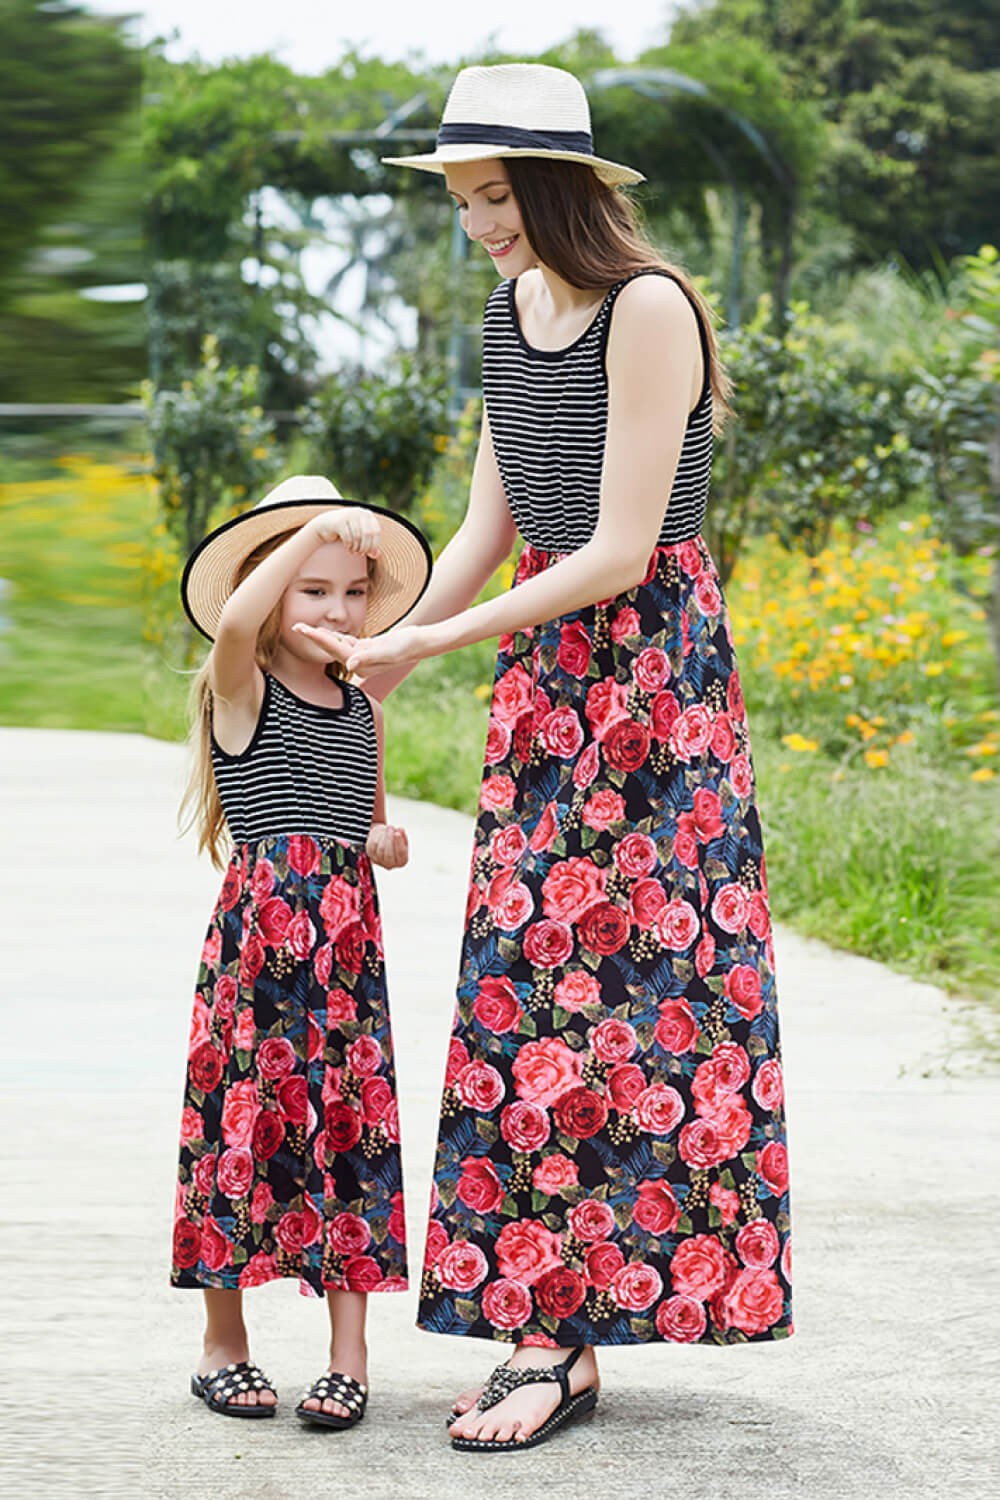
(611, 172)
(399, 577)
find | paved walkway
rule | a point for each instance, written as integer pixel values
(882, 1391)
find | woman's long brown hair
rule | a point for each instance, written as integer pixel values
(589, 234)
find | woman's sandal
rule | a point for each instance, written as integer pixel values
(335, 1387)
(219, 1389)
(504, 1380)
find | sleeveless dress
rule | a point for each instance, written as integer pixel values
(289, 1159)
(611, 1164)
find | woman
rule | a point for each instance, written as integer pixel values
(611, 1165)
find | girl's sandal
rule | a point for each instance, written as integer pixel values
(219, 1389)
(335, 1387)
(504, 1380)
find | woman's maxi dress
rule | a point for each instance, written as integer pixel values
(289, 1158)
(611, 1166)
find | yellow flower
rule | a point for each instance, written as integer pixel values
(482, 691)
(877, 758)
(906, 738)
(985, 773)
(985, 747)
(934, 668)
(797, 741)
(441, 442)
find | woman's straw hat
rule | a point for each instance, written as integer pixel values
(399, 575)
(516, 109)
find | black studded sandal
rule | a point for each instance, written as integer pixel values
(335, 1387)
(219, 1389)
(504, 1380)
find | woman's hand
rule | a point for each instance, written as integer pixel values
(337, 646)
(354, 527)
(407, 643)
(387, 846)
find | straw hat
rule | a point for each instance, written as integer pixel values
(516, 109)
(399, 577)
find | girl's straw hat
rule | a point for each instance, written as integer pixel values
(399, 574)
(516, 109)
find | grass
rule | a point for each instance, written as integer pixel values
(878, 793)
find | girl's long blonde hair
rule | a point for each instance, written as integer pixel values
(200, 805)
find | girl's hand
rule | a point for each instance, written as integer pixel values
(355, 528)
(387, 846)
(338, 647)
(406, 643)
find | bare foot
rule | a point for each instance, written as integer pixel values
(218, 1356)
(521, 1413)
(345, 1359)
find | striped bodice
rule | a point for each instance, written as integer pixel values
(548, 413)
(308, 769)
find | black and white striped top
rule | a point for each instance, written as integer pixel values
(548, 413)
(308, 769)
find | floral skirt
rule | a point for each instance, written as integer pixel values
(611, 1164)
(289, 1160)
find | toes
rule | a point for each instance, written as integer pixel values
(335, 1409)
(312, 1404)
(267, 1398)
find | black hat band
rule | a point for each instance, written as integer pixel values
(579, 141)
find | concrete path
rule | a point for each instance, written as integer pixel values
(883, 1391)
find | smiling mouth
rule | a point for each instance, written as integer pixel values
(501, 246)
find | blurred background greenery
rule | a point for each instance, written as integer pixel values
(828, 172)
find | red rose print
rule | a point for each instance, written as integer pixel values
(586, 768)
(604, 929)
(606, 704)
(397, 1219)
(677, 925)
(212, 950)
(273, 919)
(636, 1286)
(479, 1187)
(626, 745)
(479, 1086)
(602, 1263)
(681, 1320)
(547, 944)
(560, 1292)
(659, 1109)
(252, 957)
(577, 989)
(698, 1267)
(723, 738)
(235, 1172)
(602, 809)
(623, 1086)
(635, 855)
(514, 907)
(741, 776)
(301, 935)
(462, 1266)
(730, 908)
(646, 902)
(664, 712)
(591, 1220)
(268, 1134)
(708, 814)
(316, 1038)
(525, 1250)
(553, 1173)
(545, 831)
(734, 694)
(613, 1041)
(232, 887)
(258, 1270)
(511, 695)
(348, 1234)
(524, 733)
(656, 1208)
(323, 963)
(726, 1201)
(686, 842)
(759, 920)
(496, 1006)
(581, 1113)
(187, 1244)
(343, 1126)
(262, 880)
(743, 989)
(192, 1125)
(692, 733)
(376, 1097)
(224, 995)
(364, 1057)
(508, 844)
(570, 887)
(701, 1144)
(497, 742)
(651, 669)
(757, 1244)
(562, 733)
(706, 595)
(458, 1056)
(351, 948)
(506, 1304)
(772, 1164)
(732, 1066)
(689, 558)
(203, 1174)
(768, 1086)
(496, 792)
(525, 1127)
(289, 1232)
(545, 1070)
(303, 854)
(205, 1068)
(215, 1248)
(704, 955)
(362, 1273)
(574, 649)
(753, 1301)
(437, 1242)
(275, 1057)
(338, 906)
(239, 1111)
(676, 1030)
(624, 624)
(340, 1006)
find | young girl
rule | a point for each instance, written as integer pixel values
(290, 1159)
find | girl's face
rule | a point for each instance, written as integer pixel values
(330, 593)
(489, 213)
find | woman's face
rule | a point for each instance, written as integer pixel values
(489, 213)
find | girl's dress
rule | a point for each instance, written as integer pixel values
(611, 1164)
(290, 1159)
